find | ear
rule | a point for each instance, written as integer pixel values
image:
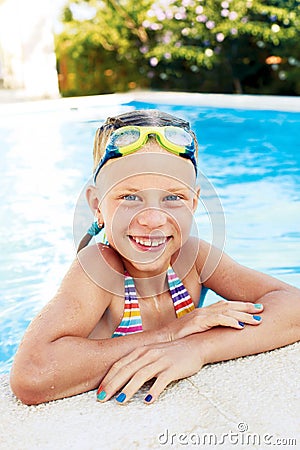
(196, 198)
(92, 198)
(93, 201)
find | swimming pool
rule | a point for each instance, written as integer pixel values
(252, 158)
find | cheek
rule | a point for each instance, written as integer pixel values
(185, 227)
(117, 220)
(185, 219)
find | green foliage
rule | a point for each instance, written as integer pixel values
(195, 45)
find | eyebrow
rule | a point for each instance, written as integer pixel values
(178, 189)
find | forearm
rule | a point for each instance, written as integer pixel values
(71, 365)
(280, 326)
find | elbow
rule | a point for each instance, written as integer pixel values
(28, 385)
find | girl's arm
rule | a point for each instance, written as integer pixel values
(280, 319)
(184, 357)
(56, 358)
(279, 326)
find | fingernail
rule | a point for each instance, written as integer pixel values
(242, 324)
(121, 397)
(257, 318)
(148, 398)
(101, 395)
(100, 388)
(258, 305)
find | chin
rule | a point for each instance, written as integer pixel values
(139, 258)
(151, 268)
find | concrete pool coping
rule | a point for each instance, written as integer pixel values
(251, 102)
(252, 400)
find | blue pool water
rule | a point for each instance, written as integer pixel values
(251, 157)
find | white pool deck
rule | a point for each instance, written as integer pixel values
(12, 102)
(252, 400)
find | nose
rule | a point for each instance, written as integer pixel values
(152, 218)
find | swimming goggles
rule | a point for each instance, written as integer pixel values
(128, 139)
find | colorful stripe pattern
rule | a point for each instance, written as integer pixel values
(132, 321)
(182, 301)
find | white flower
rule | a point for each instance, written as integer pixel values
(275, 28)
(233, 15)
(209, 52)
(153, 61)
(220, 37)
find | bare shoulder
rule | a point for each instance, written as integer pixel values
(190, 259)
(86, 291)
(199, 255)
(103, 267)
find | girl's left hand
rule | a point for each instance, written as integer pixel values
(166, 362)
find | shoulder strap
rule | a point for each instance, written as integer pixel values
(131, 321)
(182, 301)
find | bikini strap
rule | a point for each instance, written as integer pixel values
(131, 321)
(182, 301)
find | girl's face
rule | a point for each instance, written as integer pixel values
(148, 214)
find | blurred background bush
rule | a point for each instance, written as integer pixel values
(220, 46)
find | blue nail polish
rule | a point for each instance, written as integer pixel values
(257, 318)
(101, 395)
(242, 324)
(121, 397)
(258, 305)
(148, 398)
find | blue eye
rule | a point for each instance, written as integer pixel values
(172, 197)
(131, 197)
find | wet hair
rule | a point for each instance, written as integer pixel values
(142, 117)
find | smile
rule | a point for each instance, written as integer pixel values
(150, 242)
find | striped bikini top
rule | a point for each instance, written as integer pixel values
(132, 321)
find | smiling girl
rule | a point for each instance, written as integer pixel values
(131, 309)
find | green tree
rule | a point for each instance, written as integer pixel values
(230, 39)
(200, 45)
(99, 47)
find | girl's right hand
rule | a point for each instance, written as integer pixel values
(233, 314)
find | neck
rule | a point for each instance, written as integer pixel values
(148, 283)
(150, 287)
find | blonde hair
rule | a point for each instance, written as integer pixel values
(144, 117)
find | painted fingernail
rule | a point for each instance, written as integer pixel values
(242, 324)
(148, 398)
(257, 318)
(101, 395)
(258, 305)
(100, 388)
(121, 397)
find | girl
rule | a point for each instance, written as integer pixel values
(130, 310)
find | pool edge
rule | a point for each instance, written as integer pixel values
(248, 102)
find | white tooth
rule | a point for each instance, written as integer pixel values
(149, 242)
